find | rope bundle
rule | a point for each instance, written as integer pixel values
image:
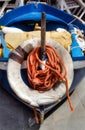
(44, 80)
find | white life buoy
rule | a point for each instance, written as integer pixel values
(24, 92)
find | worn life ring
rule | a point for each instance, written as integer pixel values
(24, 92)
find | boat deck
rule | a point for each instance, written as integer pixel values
(16, 116)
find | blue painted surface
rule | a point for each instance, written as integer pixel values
(33, 12)
(76, 51)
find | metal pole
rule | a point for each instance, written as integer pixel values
(43, 35)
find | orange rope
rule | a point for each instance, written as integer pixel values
(55, 70)
(36, 115)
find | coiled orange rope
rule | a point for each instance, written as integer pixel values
(54, 71)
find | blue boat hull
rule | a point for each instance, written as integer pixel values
(25, 18)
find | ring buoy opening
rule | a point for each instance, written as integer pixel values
(24, 92)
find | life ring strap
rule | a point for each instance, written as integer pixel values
(22, 52)
(16, 58)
